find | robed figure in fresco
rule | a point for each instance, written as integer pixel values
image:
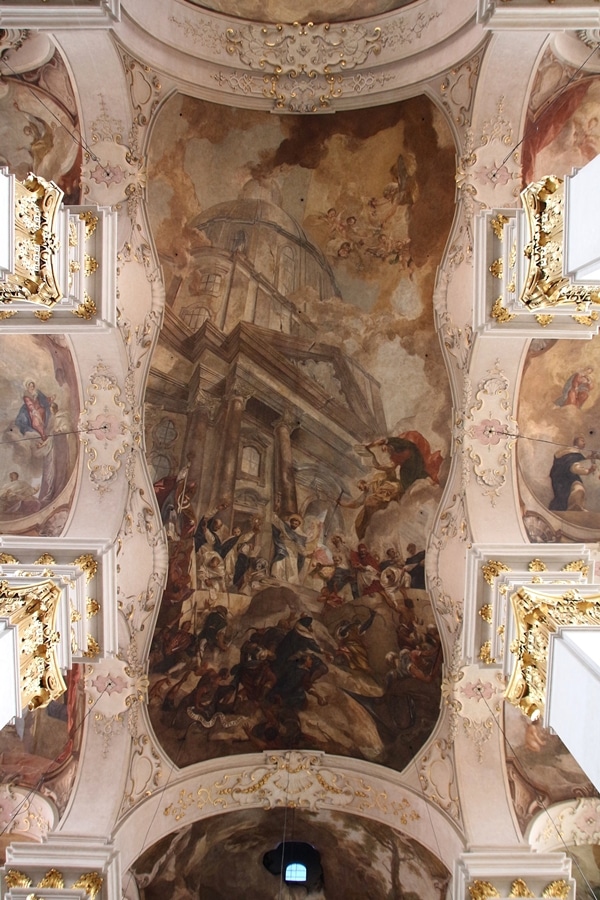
(567, 484)
(35, 411)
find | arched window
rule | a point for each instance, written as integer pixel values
(296, 872)
(160, 466)
(250, 461)
(165, 433)
(194, 316)
(210, 283)
(286, 271)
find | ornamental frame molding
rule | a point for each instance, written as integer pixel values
(296, 779)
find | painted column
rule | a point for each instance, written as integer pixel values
(201, 415)
(284, 485)
(224, 484)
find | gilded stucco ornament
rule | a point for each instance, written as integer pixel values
(545, 284)
(33, 609)
(297, 780)
(36, 244)
(539, 615)
(311, 49)
(484, 890)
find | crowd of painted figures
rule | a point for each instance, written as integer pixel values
(250, 646)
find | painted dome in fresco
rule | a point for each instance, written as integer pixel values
(289, 11)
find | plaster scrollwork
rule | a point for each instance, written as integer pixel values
(145, 772)
(314, 49)
(457, 90)
(406, 29)
(293, 779)
(113, 688)
(26, 814)
(239, 82)
(480, 699)
(111, 170)
(448, 608)
(107, 428)
(493, 428)
(202, 31)
(574, 822)
(437, 775)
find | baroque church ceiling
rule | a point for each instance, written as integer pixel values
(316, 462)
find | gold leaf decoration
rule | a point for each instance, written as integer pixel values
(536, 565)
(558, 889)
(498, 224)
(485, 653)
(497, 268)
(87, 309)
(91, 882)
(92, 608)
(88, 564)
(587, 320)
(519, 889)
(52, 879)
(7, 559)
(486, 613)
(93, 647)
(544, 320)
(578, 565)
(45, 560)
(43, 314)
(500, 313)
(15, 879)
(89, 265)
(482, 890)
(90, 223)
(7, 313)
(492, 568)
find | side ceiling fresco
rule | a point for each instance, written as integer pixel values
(39, 450)
(359, 858)
(559, 404)
(297, 428)
(38, 116)
(559, 397)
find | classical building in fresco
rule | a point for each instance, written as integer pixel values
(299, 488)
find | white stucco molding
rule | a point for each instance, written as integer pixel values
(495, 571)
(52, 15)
(537, 15)
(501, 868)
(299, 68)
(88, 868)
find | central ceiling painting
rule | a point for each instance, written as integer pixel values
(297, 427)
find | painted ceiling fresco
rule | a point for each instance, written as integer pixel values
(541, 771)
(297, 428)
(40, 751)
(39, 449)
(38, 116)
(301, 10)
(560, 475)
(359, 858)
